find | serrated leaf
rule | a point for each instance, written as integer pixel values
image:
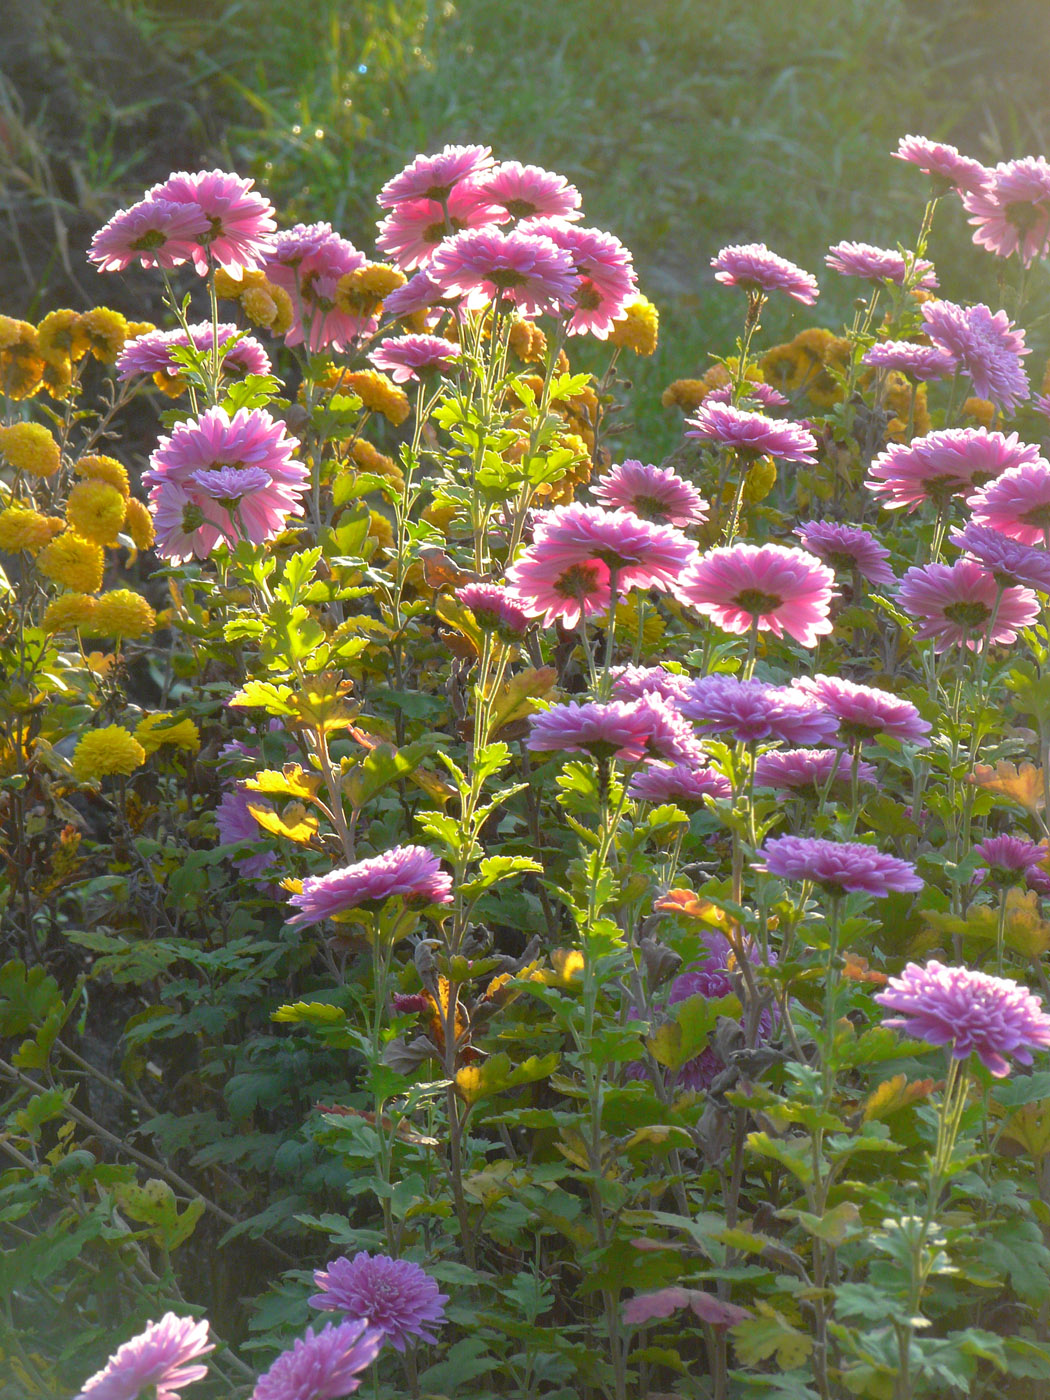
(295, 824)
(770, 1334)
(497, 1074)
(311, 1013)
(894, 1094)
(792, 1153)
(1023, 785)
(289, 781)
(515, 700)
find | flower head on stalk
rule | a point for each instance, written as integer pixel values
(152, 353)
(658, 494)
(632, 682)
(496, 609)
(394, 1295)
(920, 362)
(157, 1361)
(1008, 561)
(987, 347)
(863, 712)
(751, 434)
(435, 177)
(755, 394)
(308, 262)
(1016, 503)
(153, 232)
(684, 783)
(768, 587)
(847, 547)
(325, 1365)
(839, 866)
(943, 163)
(239, 219)
(643, 554)
(631, 731)
(1011, 210)
(412, 356)
(945, 463)
(808, 770)
(415, 229)
(412, 872)
(605, 270)
(484, 265)
(956, 605)
(1011, 860)
(754, 712)
(873, 264)
(529, 192)
(756, 269)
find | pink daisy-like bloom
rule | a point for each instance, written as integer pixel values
(1006, 560)
(761, 395)
(251, 438)
(154, 233)
(236, 824)
(414, 230)
(753, 712)
(629, 730)
(308, 262)
(658, 494)
(496, 609)
(751, 434)
(838, 866)
(394, 1295)
(758, 270)
(158, 1359)
(683, 783)
(862, 711)
(558, 591)
(671, 736)
(776, 589)
(151, 353)
(529, 192)
(808, 770)
(240, 219)
(644, 554)
(1016, 503)
(1011, 860)
(322, 1366)
(412, 872)
(919, 362)
(873, 264)
(485, 265)
(605, 269)
(955, 604)
(292, 246)
(1011, 212)
(435, 177)
(419, 293)
(632, 682)
(968, 1010)
(410, 356)
(987, 347)
(849, 548)
(945, 463)
(943, 162)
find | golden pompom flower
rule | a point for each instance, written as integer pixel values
(639, 327)
(57, 378)
(55, 335)
(73, 562)
(21, 527)
(527, 341)
(101, 331)
(154, 731)
(259, 306)
(70, 612)
(369, 459)
(785, 367)
(378, 394)
(282, 322)
(123, 614)
(380, 528)
(105, 751)
(981, 411)
(100, 468)
(29, 447)
(137, 328)
(686, 394)
(228, 289)
(96, 510)
(139, 524)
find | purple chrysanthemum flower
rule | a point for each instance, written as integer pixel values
(412, 872)
(151, 353)
(658, 494)
(863, 712)
(409, 356)
(839, 866)
(414, 229)
(394, 1295)
(873, 264)
(1008, 561)
(751, 434)
(800, 770)
(957, 604)
(496, 609)
(682, 783)
(920, 362)
(240, 219)
(526, 269)
(236, 824)
(943, 464)
(770, 587)
(434, 177)
(943, 162)
(529, 192)
(630, 730)
(987, 347)
(644, 554)
(157, 1360)
(754, 712)
(605, 269)
(322, 1366)
(1016, 503)
(1011, 210)
(755, 268)
(153, 232)
(632, 682)
(754, 394)
(307, 262)
(968, 1010)
(1011, 860)
(419, 293)
(849, 548)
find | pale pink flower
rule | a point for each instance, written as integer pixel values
(419, 293)
(412, 872)
(1008, 561)
(605, 270)
(754, 712)
(751, 434)
(943, 162)
(987, 347)
(308, 263)
(325, 1365)
(838, 866)
(756, 269)
(771, 587)
(496, 609)
(151, 353)
(658, 494)
(956, 604)
(686, 784)
(942, 464)
(630, 730)
(632, 682)
(240, 219)
(644, 554)
(410, 356)
(395, 1295)
(434, 177)
(1011, 211)
(157, 1361)
(754, 394)
(864, 712)
(153, 232)
(1017, 502)
(558, 591)
(529, 192)
(873, 264)
(809, 770)
(414, 230)
(848, 548)
(920, 362)
(486, 265)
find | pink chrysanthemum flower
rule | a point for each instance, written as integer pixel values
(1011, 212)
(414, 230)
(849, 548)
(751, 434)
(808, 770)
(240, 219)
(756, 269)
(292, 246)
(419, 293)
(873, 264)
(394, 1295)
(956, 605)
(412, 872)
(1016, 503)
(485, 265)
(605, 269)
(151, 353)
(435, 177)
(496, 609)
(308, 262)
(968, 1010)
(838, 866)
(251, 438)
(864, 712)
(629, 730)
(1006, 560)
(322, 1366)
(1011, 860)
(154, 232)
(632, 682)
(943, 162)
(919, 362)
(683, 783)
(945, 463)
(410, 356)
(157, 1360)
(753, 712)
(235, 824)
(771, 587)
(529, 192)
(755, 393)
(987, 347)
(558, 591)
(644, 555)
(658, 494)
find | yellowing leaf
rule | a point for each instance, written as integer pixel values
(290, 781)
(770, 1334)
(1023, 785)
(688, 905)
(1025, 930)
(295, 824)
(566, 969)
(274, 699)
(895, 1093)
(1029, 1126)
(516, 698)
(496, 1074)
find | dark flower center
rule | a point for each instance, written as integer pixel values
(968, 615)
(153, 239)
(1023, 215)
(577, 582)
(507, 277)
(521, 208)
(588, 298)
(650, 508)
(757, 603)
(1038, 516)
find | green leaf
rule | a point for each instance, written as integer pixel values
(793, 1153)
(497, 1074)
(309, 1013)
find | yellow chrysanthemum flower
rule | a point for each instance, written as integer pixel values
(282, 322)
(137, 328)
(380, 279)
(380, 528)
(70, 612)
(259, 306)
(96, 509)
(638, 329)
(440, 514)
(57, 378)
(785, 367)
(105, 751)
(123, 614)
(156, 730)
(227, 289)
(73, 562)
(686, 394)
(139, 524)
(982, 411)
(21, 364)
(29, 447)
(377, 393)
(821, 384)
(369, 458)
(55, 335)
(21, 527)
(361, 293)
(527, 342)
(99, 468)
(103, 332)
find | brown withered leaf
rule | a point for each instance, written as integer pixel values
(440, 571)
(687, 904)
(855, 969)
(1023, 785)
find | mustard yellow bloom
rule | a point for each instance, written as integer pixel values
(282, 322)
(21, 527)
(377, 393)
(981, 411)
(361, 293)
(785, 367)
(55, 335)
(99, 468)
(139, 524)
(111, 749)
(121, 614)
(137, 328)
(69, 612)
(228, 289)
(259, 306)
(103, 332)
(527, 341)
(686, 394)
(379, 528)
(96, 509)
(369, 458)
(74, 562)
(156, 730)
(638, 329)
(57, 378)
(21, 363)
(29, 447)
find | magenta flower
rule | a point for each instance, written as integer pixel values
(968, 1010)
(750, 434)
(605, 269)
(415, 228)
(236, 825)
(1011, 210)
(919, 362)
(646, 1307)
(756, 269)
(240, 220)
(943, 162)
(848, 548)
(632, 682)
(863, 712)
(755, 394)
(988, 348)
(802, 770)
(770, 587)
(419, 293)
(873, 264)
(754, 712)
(308, 261)
(411, 356)
(251, 438)
(157, 1359)
(412, 872)
(324, 1366)
(151, 353)
(558, 591)
(435, 177)
(1011, 860)
(682, 783)
(293, 246)
(943, 464)
(838, 866)
(629, 730)
(529, 192)
(1006, 560)
(658, 494)
(154, 232)
(485, 265)
(956, 604)
(643, 554)
(394, 1295)
(496, 609)
(1016, 503)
